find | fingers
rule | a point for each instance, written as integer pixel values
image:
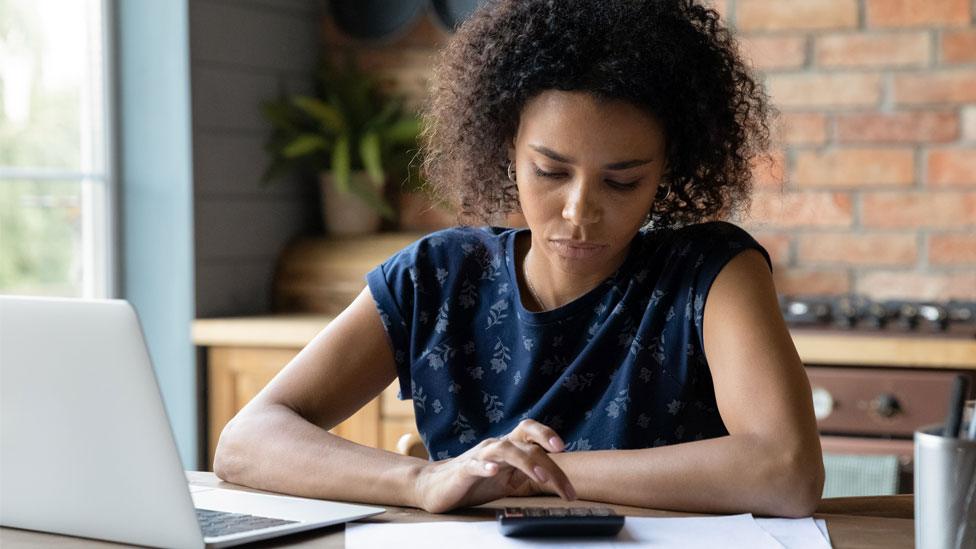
(530, 459)
(529, 430)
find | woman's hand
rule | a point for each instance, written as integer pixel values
(515, 464)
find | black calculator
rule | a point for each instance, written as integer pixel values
(559, 521)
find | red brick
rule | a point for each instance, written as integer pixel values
(916, 13)
(919, 209)
(808, 282)
(797, 128)
(900, 127)
(768, 15)
(952, 249)
(952, 167)
(941, 86)
(824, 90)
(801, 209)
(778, 246)
(858, 249)
(959, 46)
(873, 50)
(770, 170)
(855, 167)
(774, 52)
(969, 123)
(883, 285)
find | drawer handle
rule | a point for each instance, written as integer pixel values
(886, 405)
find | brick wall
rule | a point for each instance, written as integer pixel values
(872, 184)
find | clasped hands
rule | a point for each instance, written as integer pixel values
(516, 464)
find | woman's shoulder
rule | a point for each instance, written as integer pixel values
(709, 231)
(701, 237)
(463, 235)
(455, 243)
(452, 252)
(711, 243)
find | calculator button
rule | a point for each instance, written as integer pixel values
(535, 512)
(579, 512)
(602, 511)
(558, 512)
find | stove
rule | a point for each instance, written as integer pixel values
(865, 412)
(858, 313)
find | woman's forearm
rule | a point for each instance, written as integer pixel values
(732, 474)
(276, 449)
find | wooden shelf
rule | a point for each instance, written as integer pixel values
(826, 348)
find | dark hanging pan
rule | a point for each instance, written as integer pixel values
(449, 14)
(375, 20)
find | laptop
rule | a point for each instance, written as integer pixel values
(86, 448)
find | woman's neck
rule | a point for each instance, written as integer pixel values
(550, 287)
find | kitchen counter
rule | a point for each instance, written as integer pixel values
(815, 346)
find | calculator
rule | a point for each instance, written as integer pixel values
(559, 521)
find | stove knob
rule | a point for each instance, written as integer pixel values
(886, 405)
(823, 403)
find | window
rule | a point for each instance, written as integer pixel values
(56, 187)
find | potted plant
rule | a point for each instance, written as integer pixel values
(352, 137)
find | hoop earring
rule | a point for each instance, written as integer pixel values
(510, 172)
(666, 195)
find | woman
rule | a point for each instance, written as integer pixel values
(624, 348)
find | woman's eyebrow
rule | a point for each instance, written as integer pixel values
(612, 166)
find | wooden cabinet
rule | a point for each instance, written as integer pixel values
(315, 278)
(237, 369)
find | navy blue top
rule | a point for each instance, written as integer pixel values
(622, 366)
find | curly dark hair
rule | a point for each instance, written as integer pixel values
(671, 57)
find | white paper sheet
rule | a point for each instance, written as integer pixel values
(690, 533)
(802, 533)
(822, 526)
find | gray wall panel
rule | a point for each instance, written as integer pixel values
(247, 228)
(232, 164)
(254, 35)
(245, 287)
(242, 53)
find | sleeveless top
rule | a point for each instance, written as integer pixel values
(622, 366)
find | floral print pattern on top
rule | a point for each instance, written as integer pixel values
(623, 366)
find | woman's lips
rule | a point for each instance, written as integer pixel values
(576, 249)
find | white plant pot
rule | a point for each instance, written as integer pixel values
(345, 213)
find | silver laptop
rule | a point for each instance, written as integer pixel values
(86, 448)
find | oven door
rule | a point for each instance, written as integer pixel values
(867, 418)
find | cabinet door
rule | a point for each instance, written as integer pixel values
(398, 420)
(236, 374)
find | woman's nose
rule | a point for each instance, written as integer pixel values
(580, 207)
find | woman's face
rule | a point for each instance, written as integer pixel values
(587, 172)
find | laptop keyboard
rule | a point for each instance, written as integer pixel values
(219, 523)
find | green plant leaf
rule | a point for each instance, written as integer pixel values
(370, 152)
(280, 113)
(304, 144)
(403, 132)
(388, 112)
(342, 164)
(328, 116)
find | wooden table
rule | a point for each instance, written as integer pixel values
(870, 522)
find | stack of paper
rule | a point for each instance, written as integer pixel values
(686, 533)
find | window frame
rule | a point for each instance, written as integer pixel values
(98, 186)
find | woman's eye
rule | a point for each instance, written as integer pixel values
(616, 185)
(628, 186)
(552, 175)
